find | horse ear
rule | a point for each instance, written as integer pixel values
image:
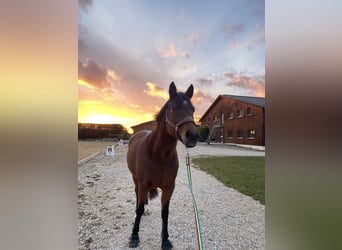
(190, 91)
(172, 90)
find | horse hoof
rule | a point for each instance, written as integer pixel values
(166, 245)
(134, 241)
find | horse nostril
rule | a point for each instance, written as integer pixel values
(191, 136)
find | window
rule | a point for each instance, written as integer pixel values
(239, 113)
(215, 118)
(230, 115)
(249, 111)
(250, 134)
(209, 120)
(230, 133)
(239, 134)
(222, 119)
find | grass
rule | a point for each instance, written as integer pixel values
(246, 174)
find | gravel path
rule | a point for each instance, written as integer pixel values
(106, 202)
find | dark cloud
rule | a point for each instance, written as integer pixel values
(133, 73)
(93, 74)
(203, 82)
(81, 45)
(255, 84)
(85, 4)
(230, 30)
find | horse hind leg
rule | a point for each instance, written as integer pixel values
(136, 192)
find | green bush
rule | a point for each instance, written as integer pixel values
(203, 133)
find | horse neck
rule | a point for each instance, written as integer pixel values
(162, 144)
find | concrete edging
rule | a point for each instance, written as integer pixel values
(86, 159)
(254, 147)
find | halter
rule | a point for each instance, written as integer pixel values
(186, 119)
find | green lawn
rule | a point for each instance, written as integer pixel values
(243, 173)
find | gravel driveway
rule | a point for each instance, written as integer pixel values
(106, 202)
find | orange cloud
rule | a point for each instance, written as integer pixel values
(171, 52)
(255, 84)
(200, 96)
(154, 90)
(85, 84)
(134, 105)
(111, 74)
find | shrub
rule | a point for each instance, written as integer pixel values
(203, 133)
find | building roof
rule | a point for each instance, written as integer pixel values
(257, 101)
(144, 123)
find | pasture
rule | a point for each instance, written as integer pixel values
(246, 174)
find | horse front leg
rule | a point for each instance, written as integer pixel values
(166, 196)
(141, 195)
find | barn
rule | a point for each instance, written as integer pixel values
(150, 125)
(236, 119)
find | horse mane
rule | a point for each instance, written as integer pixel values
(161, 113)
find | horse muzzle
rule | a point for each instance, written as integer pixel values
(191, 139)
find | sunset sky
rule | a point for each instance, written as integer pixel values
(130, 51)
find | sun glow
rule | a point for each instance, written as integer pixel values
(99, 110)
(108, 119)
(104, 114)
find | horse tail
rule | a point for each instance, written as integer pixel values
(153, 194)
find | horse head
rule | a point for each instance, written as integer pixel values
(179, 116)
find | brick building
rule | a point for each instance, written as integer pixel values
(236, 119)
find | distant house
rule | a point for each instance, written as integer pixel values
(236, 119)
(150, 125)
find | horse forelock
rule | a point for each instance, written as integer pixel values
(181, 99)
(185, 100)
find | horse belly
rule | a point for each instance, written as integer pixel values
(169, 174)
(136, 151)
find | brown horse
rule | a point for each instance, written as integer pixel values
(152, 157)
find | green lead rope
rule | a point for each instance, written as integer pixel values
(197, 220)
